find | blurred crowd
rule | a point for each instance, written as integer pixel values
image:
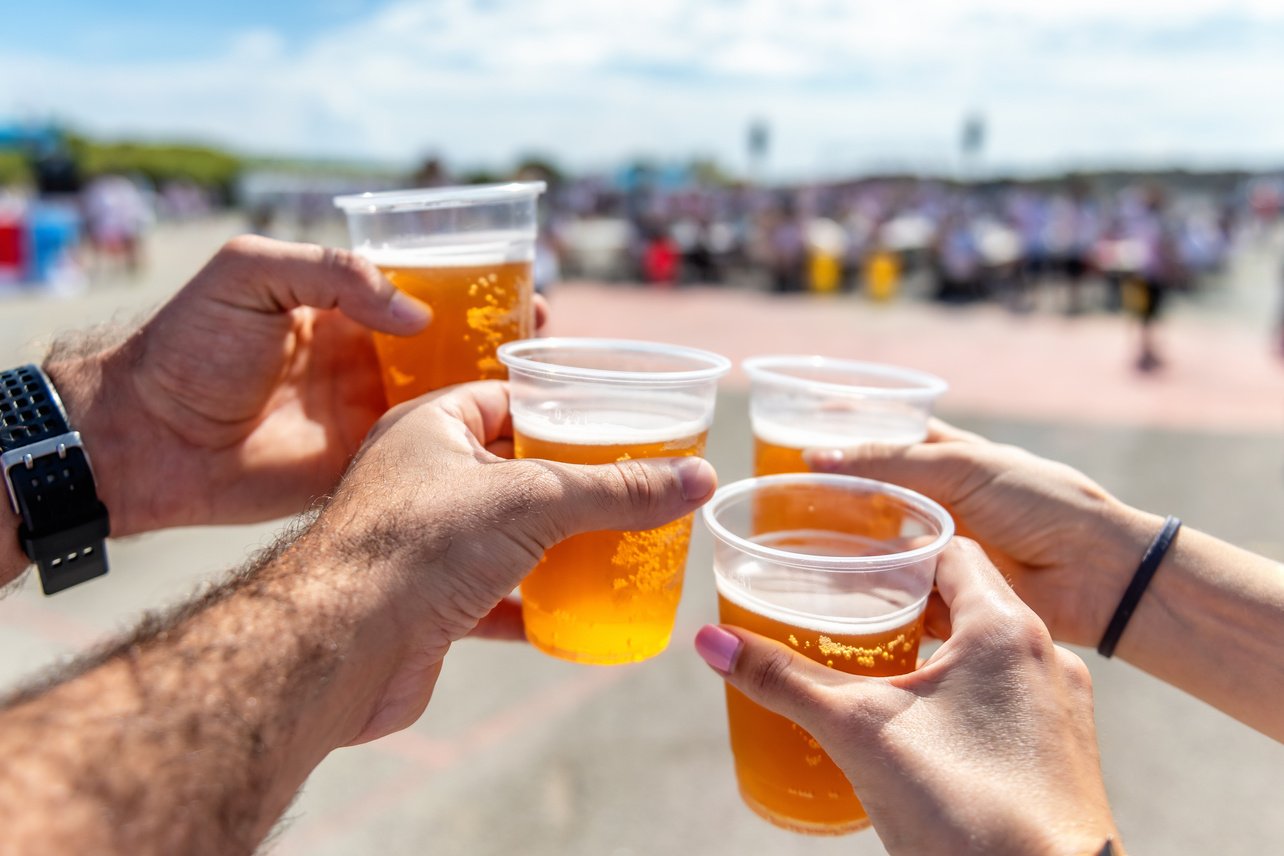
(67, 227)
(975, 241)
(1134, 240)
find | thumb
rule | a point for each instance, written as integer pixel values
(779, 678)
(263, 275)
(628, 495)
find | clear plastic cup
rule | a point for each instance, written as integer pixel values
(465, 251)
(805, 402)
(843, 580)
(609, 597)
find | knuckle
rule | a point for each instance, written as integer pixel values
(770, 675)
(525, 490)
(1018, 631)
(639, 489)
(969, 549)
(243, 246)
(348, 264)
(1074, 670)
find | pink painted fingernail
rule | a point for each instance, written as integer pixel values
(409, 311)
(824, 459)
(718, 648)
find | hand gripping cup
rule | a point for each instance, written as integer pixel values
(802, 402)
(465, 251)
(608, 597)
(846, 595)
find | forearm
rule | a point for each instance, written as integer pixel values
(194, 736)
(1212, 624)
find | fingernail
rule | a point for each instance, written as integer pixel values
(824, 459)
(409, 311)
(696, 476)
(718, 648)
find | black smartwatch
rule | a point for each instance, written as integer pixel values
(50, 482)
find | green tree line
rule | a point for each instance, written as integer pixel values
(157, 162)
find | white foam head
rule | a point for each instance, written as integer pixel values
(472, 249)
(603, 427)
(840, 430)
(864, 612)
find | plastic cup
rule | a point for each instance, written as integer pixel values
(806, 402)
(609, 597)
(847, 593)
(465, 251)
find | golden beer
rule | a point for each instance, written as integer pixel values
(606, 597)
(779, 448)
(782, 772)
(873, 514)
(814, 561)
(476, 308)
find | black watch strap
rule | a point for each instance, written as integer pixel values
(50, 483)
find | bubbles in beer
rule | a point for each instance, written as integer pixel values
(605, 597)
(480, 294)
(783, 773)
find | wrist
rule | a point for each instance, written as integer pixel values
(340, 616)
(1077, 836)
(54, 515)
(123, 445)
(1125, 533)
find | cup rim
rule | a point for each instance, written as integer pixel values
(838, 564)
(767, 368)
(513, 355)
(426, 198)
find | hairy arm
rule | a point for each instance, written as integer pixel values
(193, 735)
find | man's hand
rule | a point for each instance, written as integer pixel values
(989, 747)
(193, 735)
(453, 527)
(243, 397)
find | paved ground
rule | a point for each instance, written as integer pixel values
(523, 754)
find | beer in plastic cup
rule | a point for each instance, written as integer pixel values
(465, 251)
(843, 594)
(609, 597)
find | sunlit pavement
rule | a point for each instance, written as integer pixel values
(523, 754)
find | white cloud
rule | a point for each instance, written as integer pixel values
(844, 83)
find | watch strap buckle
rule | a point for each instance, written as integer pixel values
(69, 556)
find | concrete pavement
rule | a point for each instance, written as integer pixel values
(523, 754)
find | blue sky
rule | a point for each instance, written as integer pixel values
(847, 85)
(106, 31)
